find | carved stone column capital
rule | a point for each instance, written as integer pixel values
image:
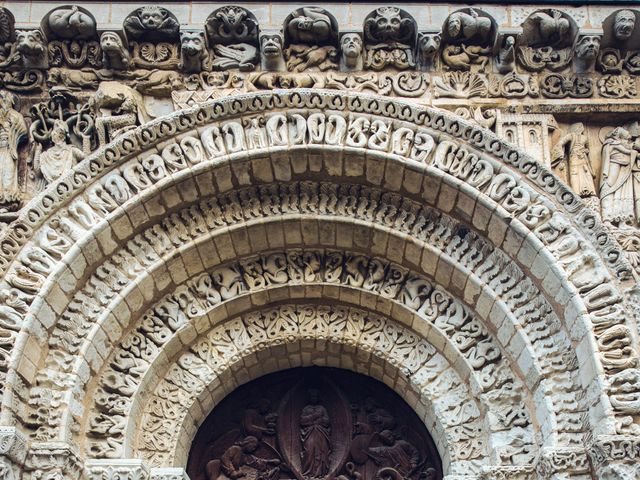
(616, 457)
(122, 469)
(52, 461)
(562, 461)
(523, 472)
(13, 451)
(169, 474)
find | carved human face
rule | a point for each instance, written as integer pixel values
(250, 444)
(387, 437)
(151, 17)
(58, 134)
(351, 45)
(454, 25)
(624, 24)
(271, 46)
(110, 42)
(588, 47)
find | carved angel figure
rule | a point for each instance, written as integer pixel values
(571, 156)
(58, 159)
(13, 131)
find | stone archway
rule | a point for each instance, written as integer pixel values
(189, 226)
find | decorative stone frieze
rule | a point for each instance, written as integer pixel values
(443, 197)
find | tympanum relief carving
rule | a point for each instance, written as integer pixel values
(313, 424)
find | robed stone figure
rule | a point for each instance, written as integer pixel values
(315, 434)
(618, 194)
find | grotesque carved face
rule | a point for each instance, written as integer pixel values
(192, 43)
(151, 17)
(110, 42)
(351, 45)
(588, 47)
(624, 24)
(428, 44)
(30, 42)
(388, 22)
(271, 46)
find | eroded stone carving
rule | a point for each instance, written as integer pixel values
(233, 34)
(570, 156)
(13, 132)
(389, 34)
(153, 24)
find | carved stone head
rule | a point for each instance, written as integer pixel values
(249, 444)
(152, 23)
(624, 24)
(59, 132)
(351, 45)
(428, 44)
(192, 43)
(587, 47)
(271, 52)
(271, 46)
(111, 42)
(389, 24)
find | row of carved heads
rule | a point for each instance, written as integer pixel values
(310, 39)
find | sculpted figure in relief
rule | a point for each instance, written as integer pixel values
(617, 189)
(71, 23)
(240, 462)
(271, 53)
(315, 435)
(311, 26)
(624, 25)
(152, 23)
(194, 52)
(58, 159)
(13, 131)
(571, 157)
(428, 47)
(586, 51)
(467, 26)
(115, 56)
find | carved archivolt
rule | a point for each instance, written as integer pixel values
(81, 217)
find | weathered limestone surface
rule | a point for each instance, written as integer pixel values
(443, 197)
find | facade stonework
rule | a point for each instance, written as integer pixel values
(444, 198)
